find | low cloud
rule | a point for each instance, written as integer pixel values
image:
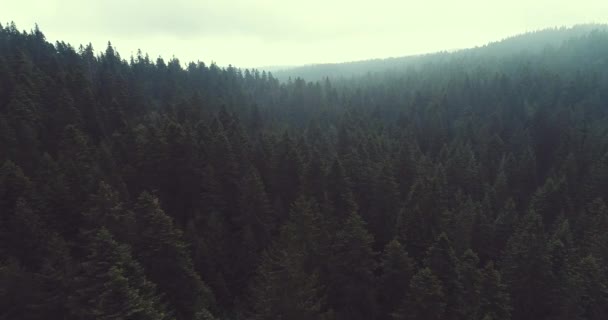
(272, 32)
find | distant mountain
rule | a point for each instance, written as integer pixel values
(530, 42)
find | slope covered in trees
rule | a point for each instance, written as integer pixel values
(532, 42)
(472, 187)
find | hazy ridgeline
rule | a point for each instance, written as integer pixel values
(529, 43)
(464, 185)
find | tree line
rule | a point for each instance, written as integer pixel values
(469, 186)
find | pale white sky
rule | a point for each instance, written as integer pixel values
(254, 33)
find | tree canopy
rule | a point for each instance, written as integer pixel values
(466, 185)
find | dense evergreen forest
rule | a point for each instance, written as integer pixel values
(471, 186)
(531, 42)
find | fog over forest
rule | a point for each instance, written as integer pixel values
(457, 170)
(264, 33)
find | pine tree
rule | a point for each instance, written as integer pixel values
(471, 282)
(339, 192)
(351, 266)
(282, 290)
(595, 184)
(8, 138)
(19, 292)
(165, 258)
(421, 218)
(522, 175)
(223, 159)
(551, 200)
(254, 226)
(112, 285)
(287, 283)
(106, 210)
(179, 190)
(589, 290)
(563, 253)
(426, 300)
(208, 233)
(416, 239)
(462, 171)
(385, 205)
(397, 271)
(287, 181)
(501, 187)
(442, 261)
(505, 225)
(53, 198)
(13, 185)
(406, 165)
(589, 230)
(315, 178)
(26, 236)
(77, 159)
(37, 264)
(494, 296)
(482, 237)
(526, 267)
(459, 222)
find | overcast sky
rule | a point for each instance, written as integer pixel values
(254, 33)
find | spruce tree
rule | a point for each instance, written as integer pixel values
(287, 283)
(527, 271)
(351, 279)
(471, 283)
(111, 285)
(163, 254)
(589, 290)
(442, 261)
(397, 271)
(495, 302)
(339, 192)
(426, 299)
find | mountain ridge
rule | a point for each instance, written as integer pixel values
(533, 41)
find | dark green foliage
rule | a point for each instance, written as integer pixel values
(253, 225)
(339, 192)
(13, 185)
(287, 191)
(504, 225)
(160, 249)
(426, 300)
(550, 200)
(287, 181)
(384, 206)
(527, 269)
(106, 210)
(442, 261)
(470, 277)
(287, 284)
(110, 284)
(494, 302)
(397, 271)
(589, 292)
(28, 295)
(36, 266)
(351, 282)
(591, 227)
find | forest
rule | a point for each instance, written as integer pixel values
(465, 185)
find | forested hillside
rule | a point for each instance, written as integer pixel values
(469, 187)
(531, 42)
